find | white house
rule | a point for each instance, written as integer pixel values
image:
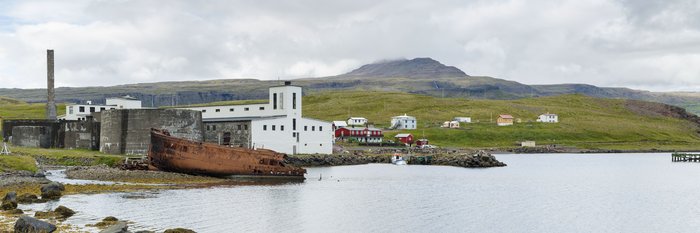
(548, 118)
(451, 124)
(463, 119)
(403, 122)
(277, 125)
(357, 121)
(339, 124)
(81, 111)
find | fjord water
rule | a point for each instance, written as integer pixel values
(534, 193)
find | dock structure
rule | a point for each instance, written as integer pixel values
(685, 157)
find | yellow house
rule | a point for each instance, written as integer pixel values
(504, 120)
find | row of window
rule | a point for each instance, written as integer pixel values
(232, 109)
(92, 109)
(363, 133)
(240, 127)
(306, 128)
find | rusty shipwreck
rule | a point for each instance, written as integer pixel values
(168, 153)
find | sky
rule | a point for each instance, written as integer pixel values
(641, 44)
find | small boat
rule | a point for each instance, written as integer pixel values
(397, 159)
(168, 153)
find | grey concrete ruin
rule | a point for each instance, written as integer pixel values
(230, 133)
(127, 131)
(32, 136)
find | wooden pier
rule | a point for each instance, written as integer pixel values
(685, 157)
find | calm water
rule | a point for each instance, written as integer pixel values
(535, 193)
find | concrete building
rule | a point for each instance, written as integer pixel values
(128, 131)
(504, 120)
(82, 111)
(548, 118)
(277, 125)
(403, 122)
(357, 121)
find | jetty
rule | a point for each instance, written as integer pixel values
(685, 157)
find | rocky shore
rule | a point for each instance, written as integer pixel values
(470, 159)
(105, 173)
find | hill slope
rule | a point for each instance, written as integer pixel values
(586, 122)
(418, 76)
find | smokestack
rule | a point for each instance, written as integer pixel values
(51, 102)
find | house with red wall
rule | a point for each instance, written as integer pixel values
(361, 134)
(405, 138)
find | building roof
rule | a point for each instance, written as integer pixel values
(358, 118)
(340, 123)
(548, 114)
(402, 135)
(126, 97)
(505, 116)
(223, 119)
(404, 116)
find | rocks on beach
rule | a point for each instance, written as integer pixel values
(471, 159)
(26, 224)
(61, 212)
(179, 230)
(117, 227)
(52, 191)
(9, 202)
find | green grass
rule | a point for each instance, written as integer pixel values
(585, 122)
(16, 163)
(16, 109)
(63, 157)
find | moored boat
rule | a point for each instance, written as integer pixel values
(397, 159)
(168, 153)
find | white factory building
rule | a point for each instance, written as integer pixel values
(81, 111)
(277, 125)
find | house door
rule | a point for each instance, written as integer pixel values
(294, 149)
(227, 138)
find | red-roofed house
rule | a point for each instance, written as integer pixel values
(406, 138)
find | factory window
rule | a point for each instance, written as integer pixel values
(246, 109)
(239, 127)
(294, 134)
(294, 124)
(273, 127)
(264, 127)
(313, 128)
(262, 108)
(102, 108)
(320, 128)
(70, 109)
(294, 100)
(230, 109)
(112, 108)
(282, 100)
(81, 109)
(204, 110)
(208, 127)
(218, 110)
(92, 109)
(281, 127)
(213, 127)
(246, 127)
(305, 128)
(274, 100)
(320, 144)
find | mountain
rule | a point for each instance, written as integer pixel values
(414, 68)
(423, 76)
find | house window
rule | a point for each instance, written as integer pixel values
(305, 128)
(262, 108)
(204, 110)
(81, 109)
(294, 124)
(239, 127)
(281, 127)
(274, 100)
(230, 109)
(246, 109)
(313, 128)
(264, 127)
(294, 100)
(273, 127)
(218, 110)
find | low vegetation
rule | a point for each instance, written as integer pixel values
(585, 122)
(16, 163)
(62, 157)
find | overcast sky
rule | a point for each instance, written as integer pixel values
(644, 44)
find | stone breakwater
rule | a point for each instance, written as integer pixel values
(471, 160)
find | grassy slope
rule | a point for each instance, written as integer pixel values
(585, 121)
(9, 163)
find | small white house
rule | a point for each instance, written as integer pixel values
(451, 124)
(528, 144)
(339, 124)
(403, 122)
(76, 112)
(463, 119)
(548, 118)
(124, 102)
(357, 121)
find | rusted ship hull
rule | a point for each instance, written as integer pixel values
(168, 153)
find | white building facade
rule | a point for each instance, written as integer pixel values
(548, 118)
(357, 121)
(403, 122)
(278, 125)
(463, 119)
(82, 111)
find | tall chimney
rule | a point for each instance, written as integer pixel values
(51, 102)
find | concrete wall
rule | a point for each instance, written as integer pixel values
(239, 132)
(80, 134)
(127, 131)
(52, 127)
(32, 136)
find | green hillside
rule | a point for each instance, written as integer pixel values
(585, 122)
